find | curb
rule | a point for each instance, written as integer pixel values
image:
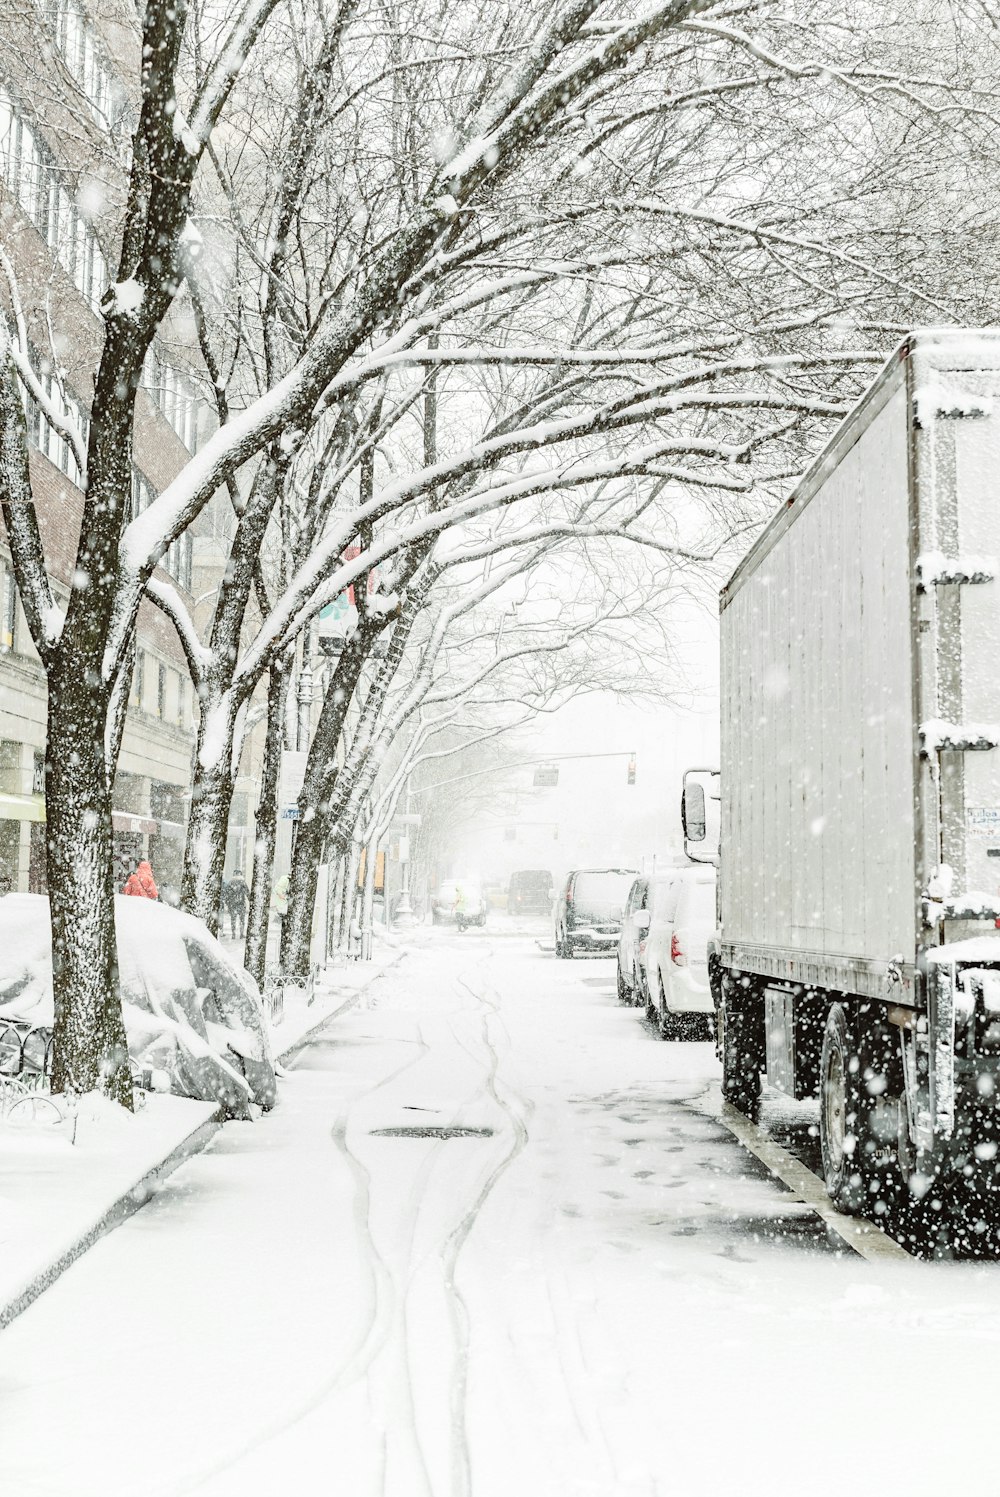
(284, 1057)
(126, 1205)
(137, 1195)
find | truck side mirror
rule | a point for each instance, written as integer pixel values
(693, 812)
(641, 919)
(700, 819)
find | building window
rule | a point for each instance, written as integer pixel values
(174, 395)
(10, 767)
(29, 170)
(51, 443)
(85, 58)
(8, 608)
(138, 680)
(161, 692)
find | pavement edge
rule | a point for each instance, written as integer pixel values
(137, 1195)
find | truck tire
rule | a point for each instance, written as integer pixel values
(741, 1024)
(624, 996)
(861, 1066)
(842, 1121)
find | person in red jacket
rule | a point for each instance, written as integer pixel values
(142, 883)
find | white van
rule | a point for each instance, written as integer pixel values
(673, 955)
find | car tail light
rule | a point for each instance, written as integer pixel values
(676, 954)
(642, 947)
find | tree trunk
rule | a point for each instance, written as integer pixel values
(317, 786)
(334, 923)
(296, 928)
(350, 892)
(205, 848)
(266, 827)
(368, 903)
(90, 1051)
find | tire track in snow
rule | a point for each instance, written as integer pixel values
(401, 1287)
(378, 1317)
(517, 1117)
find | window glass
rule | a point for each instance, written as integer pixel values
(602, 892)
(8, 608)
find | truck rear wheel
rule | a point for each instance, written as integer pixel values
(861, 1109)
(740, 1043)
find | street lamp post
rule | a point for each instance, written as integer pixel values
(404, 917)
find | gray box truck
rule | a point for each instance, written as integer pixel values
(858, 954)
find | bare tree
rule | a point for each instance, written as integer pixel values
(564, 217)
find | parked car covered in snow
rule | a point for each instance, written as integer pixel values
(629, 979)
(673, 952)
(458, 900)
(588, 911)
(194, 1020)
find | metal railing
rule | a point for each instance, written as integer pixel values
(276, 985)
(26, 1053)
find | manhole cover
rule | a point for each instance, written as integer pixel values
(429, 1131)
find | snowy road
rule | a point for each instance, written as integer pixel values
(491, 1244)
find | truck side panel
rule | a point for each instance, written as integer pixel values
(959, 462)
(977, 454)
(817, 684)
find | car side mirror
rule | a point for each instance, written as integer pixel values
(641, 919)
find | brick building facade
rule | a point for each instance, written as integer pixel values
(66, 112)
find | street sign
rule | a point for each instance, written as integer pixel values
(290, 813)
(546, 775)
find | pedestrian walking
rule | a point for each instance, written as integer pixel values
(141, 883)
(237, 897)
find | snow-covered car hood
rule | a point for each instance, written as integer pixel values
(190, 1013)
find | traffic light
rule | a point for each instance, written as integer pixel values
(631, 769)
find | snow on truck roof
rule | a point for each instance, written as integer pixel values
(926, 350)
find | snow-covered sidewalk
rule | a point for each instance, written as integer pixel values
(64, 1184)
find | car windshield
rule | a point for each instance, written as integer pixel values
(533, 882)
(603, 892)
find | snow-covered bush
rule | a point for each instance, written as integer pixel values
(191, 1015)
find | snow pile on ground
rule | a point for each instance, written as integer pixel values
(191, 1014)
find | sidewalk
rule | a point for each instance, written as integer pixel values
(58, 1196)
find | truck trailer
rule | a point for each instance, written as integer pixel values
(858, 952)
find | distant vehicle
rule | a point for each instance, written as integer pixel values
(588, 911)
(632, 933)
(673, 952)
(495, 895)
(460, 902)
(529, 892)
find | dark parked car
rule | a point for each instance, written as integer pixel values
(588, 912)
(632, 934)
(529, 892)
